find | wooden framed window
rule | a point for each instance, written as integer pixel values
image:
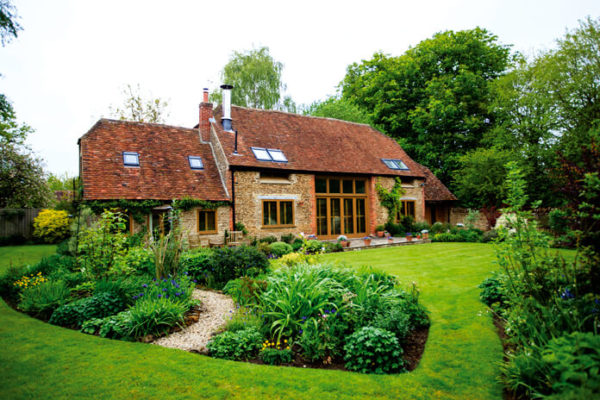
(207, 221)
(406, 209)
(278, 213)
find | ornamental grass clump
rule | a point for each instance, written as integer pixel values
(41, 300)
(155, 316)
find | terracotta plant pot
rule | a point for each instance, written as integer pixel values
(345, 243)
(409, 238)
(367, 242)
(426, 236)
(390, 240)
(380, 233)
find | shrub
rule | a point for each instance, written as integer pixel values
(420, 226)
(288, 238)
(489, 236)
(394, 229)
(115, 326)
(279, 249)
(240, 227)
(273, 356)
(63, 248)
(297, 244)
(54, 264)
(240, 345)
(373, 350)
(313, 246)
(175, 289)
(196, 263)
(268, 239)
(446, 237)
(232, 262)
(245, 290)
(137, 260)
(51, 226)
(394, 320)
(8, 289)
(322, 337)
(559, 221)
(76, 313)
(493, 291)
(331, 247)
(439, 227)
(293, 259)
(41, 300)
(151, 316)
(243, 318)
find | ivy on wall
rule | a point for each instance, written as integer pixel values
(390, 199)
(140, 208)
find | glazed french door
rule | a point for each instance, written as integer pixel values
(341, 206)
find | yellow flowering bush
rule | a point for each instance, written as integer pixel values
(293, 259)
(30, 281)
(51, 226)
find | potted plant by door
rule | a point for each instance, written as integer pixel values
(390, 239)
(367, 240)
(380, 230)
(408, 237)
(343, 240)
(425, 233)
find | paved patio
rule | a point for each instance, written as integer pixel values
(359, 244)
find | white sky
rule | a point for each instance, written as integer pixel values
(73, 58)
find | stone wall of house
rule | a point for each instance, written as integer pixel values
(189, 227)
(251, 190)
(412, 191)
(458, 216)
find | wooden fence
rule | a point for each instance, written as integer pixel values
(17, 221)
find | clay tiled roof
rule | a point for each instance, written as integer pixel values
(164, 172)
(311, 143)
(435, 190)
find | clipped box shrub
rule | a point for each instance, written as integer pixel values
(279, 249)
(373, 350)
(51, 226)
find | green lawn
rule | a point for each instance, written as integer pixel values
(17, 255)
(461, 359)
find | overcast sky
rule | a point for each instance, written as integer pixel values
(73, 58)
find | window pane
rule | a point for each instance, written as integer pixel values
(334, 186)
(266, 213)
(321, 216)
(400, 164)
(360, 186)
(277, 155)
(285, 213)
(261, 154)
(321, 185)
(361, 218)
(201, 221)
(131, 159)
(410, 208)
(336, 219)
(195, 162)
(210, 221)
(348, 216)
(391, 164)
(347, 186)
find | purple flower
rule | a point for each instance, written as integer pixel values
(164, 289)
(566, 294)
(159, 296)
(141, 294)
(195, 281)
(154, 279)
(166, 296)
(135, 297)
(177, 294)
(157, 283)
(185, 273)
(300, 331)
(144, 285)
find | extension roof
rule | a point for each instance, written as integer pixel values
(164, 172)
(311, 144)
(435, 190)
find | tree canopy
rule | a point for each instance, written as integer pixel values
(256, 79)
(434, 98)
(338, 108)
(9, 27)
(137, 108)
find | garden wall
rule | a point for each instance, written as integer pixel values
(459, 215)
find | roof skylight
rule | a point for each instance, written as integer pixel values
(195, 162)
(394, 164)
(274, 155)
(131, 159)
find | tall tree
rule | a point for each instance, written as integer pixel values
(137, 108)
(434, 98)
(9, 27)
(256, 78)
(338, 108)
(22, 180)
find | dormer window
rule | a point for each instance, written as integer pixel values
(195, 162)
(131, 159)
(394, 164)
(274, 155)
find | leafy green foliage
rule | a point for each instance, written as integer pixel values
(492, 291)
(177, 289)
(435, 97)
(136, 261)
(167, 249)
(460, 235)
(151, 316)
(373, 350)
(279, 249)
(256, 78)
(114, 326)
(390, 199)
(41, 300)
(240, 345)
(74, 314)
(338, 108)
(245, 290)
(139, 209)
(244, 318)
(188, 203)
(273, 356)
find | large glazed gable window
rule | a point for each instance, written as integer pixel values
(278, 213)
(341, 206)
(207, 221)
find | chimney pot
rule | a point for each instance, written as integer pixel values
(226, 119)
(205, 97)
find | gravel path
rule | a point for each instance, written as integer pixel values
(216, 310)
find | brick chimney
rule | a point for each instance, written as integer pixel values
(206, 112)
